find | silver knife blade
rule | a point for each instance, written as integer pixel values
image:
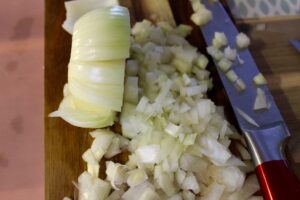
(244, 101)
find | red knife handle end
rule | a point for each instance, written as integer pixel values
(277, 181)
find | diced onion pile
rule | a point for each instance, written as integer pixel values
(100, 45)
(178, 140)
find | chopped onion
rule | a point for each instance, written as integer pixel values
(165, 181)
(184, 108)
(195, 90)
(132, 68)
(196, 5)
(165, 26)
(201, 17)
(178, 140)
(157, 36)
(190, 183)
(133, 125)
(201, 61)
(240, 85)
(101, 143)
(91, 188)
(250, 187)
(215, 192)
(215, 53)
(136, 177)
(231, 177)
(229, 53)
(131, 90)
(186, 79)
(92, 163)
(172, 129)
(195, 115)
(183, 30)
(143, 191)
(219, 40)
(201, 75)
(232, 76)
(242, 41)
(217, 152)
(260, 100)
(259, 79)
(167, 146)
(188, 195)
(192, 163)
(190, 139)
(115, 195)
(116, 174)
(234, 161)
(149, 154)
(117, 145)
(175, 40)
(184, 57)
(224, 64)
(143, 103)
(180, 176)
(204, 108)
(170, 165)
(175, 197)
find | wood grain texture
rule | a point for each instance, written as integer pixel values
(64, 144)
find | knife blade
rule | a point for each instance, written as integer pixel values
(243, 100)
(264, 141)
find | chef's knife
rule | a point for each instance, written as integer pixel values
(265, 142)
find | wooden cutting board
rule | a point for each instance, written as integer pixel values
(64, 144)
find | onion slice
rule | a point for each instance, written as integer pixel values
(114, 26)
(100, 45)
(78, 116)
(77, 8)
